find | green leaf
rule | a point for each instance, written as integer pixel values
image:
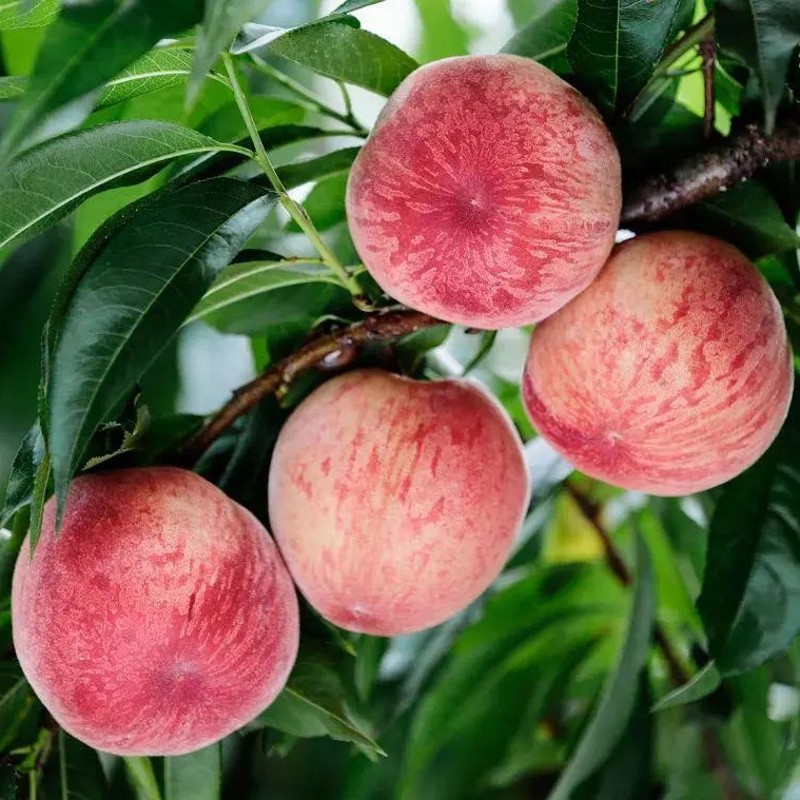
(41, 491)
(47, 182)
(313, 169)
(196, 776)
(617, 44)
(545, 37)
(325, 203)
(17, 704)
(443, 35)
(19, 490)
(222, 21)
(159, 69)
(132, 299)
(750, 600)
(344, 53)
(626, 774)
(749, 217)
(12, 87)
(80, 771)
(226, 124)
(702, 684)
(271, 138)
(618, 700)
(87, 45)
(763, 33)
(549, 615)
(142, 777)
(315, 703)
(16, 14)
(255, 281)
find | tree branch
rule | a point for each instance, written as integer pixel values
(386, 324)
(679, 675)
(708, 52)
(705, 174)
(591, 510)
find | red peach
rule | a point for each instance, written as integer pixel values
(395, 502)
(160, 619)
(670, 374)
(488, 193)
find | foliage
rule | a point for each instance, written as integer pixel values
(137, 222)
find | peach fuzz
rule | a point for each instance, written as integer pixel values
(488, 193)
(160, 619)
(396, 502)
(670, 374)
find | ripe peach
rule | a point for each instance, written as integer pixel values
(488, 193)
(670, 374)
(160, 619)
(395, 502)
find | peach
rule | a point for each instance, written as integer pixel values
(488, 193)
(670, 374)
(395, 502)
(160, 619)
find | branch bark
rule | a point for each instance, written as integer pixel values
(705, 174)
(387, 324)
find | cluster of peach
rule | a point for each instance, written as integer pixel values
(163, 617)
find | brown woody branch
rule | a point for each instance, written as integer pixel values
(705, 174)
(324, 350)
(697, 178)
(678, 673)
(708, 53)
(591, 511)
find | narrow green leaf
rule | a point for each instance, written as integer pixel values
(545, 37)
(314, 702)
(226, 123)
(749, 217)
(763, 33)
(47, 182)
(17, 702)
(16, 14)
(159, 69)
(12, 87)
(254, 279)
(142, 777)
(325, 203)
(41, 490)
(196, 776)
(344, 53)
(80, 771)
(87, 45)
(618, 700)
(750, 600)
(21, 480)
(133, 298)
(702, 684)
(222, 21)
(616, 45)
(313, 169)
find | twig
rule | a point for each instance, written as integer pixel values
(389, 324)
(591, 510)
(295, 210)
(705, 174)
(298, 89)
(677, 671)
(708, 51)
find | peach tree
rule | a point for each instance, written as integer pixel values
(537, 487)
